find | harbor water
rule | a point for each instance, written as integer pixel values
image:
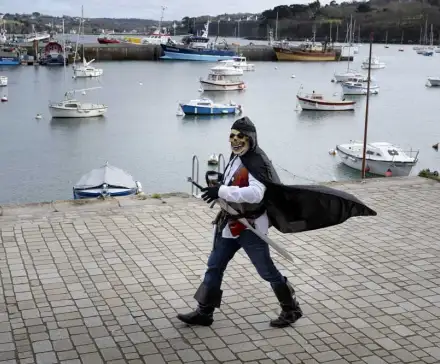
(41, 159)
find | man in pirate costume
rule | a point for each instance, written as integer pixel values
(251, 186)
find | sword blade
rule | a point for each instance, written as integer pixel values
(280, 250)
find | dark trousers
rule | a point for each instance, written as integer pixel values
(224, 250)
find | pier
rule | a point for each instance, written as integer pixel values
(101, 281)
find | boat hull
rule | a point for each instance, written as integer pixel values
(315, 105)
(197, 110)
(284, 54)
(108, 41)
(60, 112)
(187, 54)
(9, 61)
(434, 81)
(84, 73)
(373, 66)
(350, 90)
(233, 86)
(398, 169)
(97, 192)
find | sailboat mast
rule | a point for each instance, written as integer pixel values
(82, 21)
(64, 56)
(366, 108)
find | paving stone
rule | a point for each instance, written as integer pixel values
(103, 283)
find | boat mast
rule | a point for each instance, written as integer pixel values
(77, 41)
(276, 28)
(366, 108)
(82, 20)
(64, 57)
(161, 18)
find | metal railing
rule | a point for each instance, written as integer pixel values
(195, 171)
(195, 175)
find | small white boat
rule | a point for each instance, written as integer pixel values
(317, 102)
(4, 98)
(401, 49)
(221, 78)
(3, 81)
(434, 81)
(238, 62)
(106, 181)
(71, 108)
(437, 50)
(375, 63)
(86, 70)
(206, 106)
(213, 159)
(384, 159)
(344, 76)
(358, 86)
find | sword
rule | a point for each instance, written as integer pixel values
(231, 211)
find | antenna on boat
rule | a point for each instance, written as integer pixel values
(366, 107)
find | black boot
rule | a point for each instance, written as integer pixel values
(290, 310)
(208, 300)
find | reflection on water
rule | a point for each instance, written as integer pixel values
(204, 118)
(75, 123)
(314, 116)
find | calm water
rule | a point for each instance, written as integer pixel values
(41, 160)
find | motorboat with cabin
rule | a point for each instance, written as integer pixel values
(359, 86)
(206, 106)
(317, 102)
(106, 181)
(9, 56)
(3, 81)
(72, 108)
(196, 48)
(239, 62)
(375, 63)
(221, 78)
(382, 158)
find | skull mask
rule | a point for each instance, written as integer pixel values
(239, 142)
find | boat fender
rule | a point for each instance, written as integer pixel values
(388, 173)
(332, 152)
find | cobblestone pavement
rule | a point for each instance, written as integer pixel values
(102, 282)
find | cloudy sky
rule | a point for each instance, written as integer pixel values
(140, 8)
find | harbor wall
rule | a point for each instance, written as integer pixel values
(133, 52)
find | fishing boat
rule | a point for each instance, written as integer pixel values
(53, 55)
(358, 86)
(307, 52)
(206, 106)
(221, 78)
(381, 158)
(196, 48)
(106, 181)
(3, 81)
(238, 62)
(105, 38)
(375, 63)
(160, 35)
(317, 102)
(9, 56)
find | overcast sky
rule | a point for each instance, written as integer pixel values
(147, 9)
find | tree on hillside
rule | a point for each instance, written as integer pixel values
(364, 8)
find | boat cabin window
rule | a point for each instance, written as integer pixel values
(71, 105)
(393, 152)
(370, 152)
(204, 104)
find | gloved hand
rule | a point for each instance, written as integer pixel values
(210, 193)
(219, 177)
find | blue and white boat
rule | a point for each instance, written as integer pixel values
(208, 107)
(106, 181)
(196, 48)
(9, 56)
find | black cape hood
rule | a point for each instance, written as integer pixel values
(295, 208)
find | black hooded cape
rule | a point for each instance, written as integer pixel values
(295, 208)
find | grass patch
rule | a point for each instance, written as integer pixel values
(427, 173)
(156, 195)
